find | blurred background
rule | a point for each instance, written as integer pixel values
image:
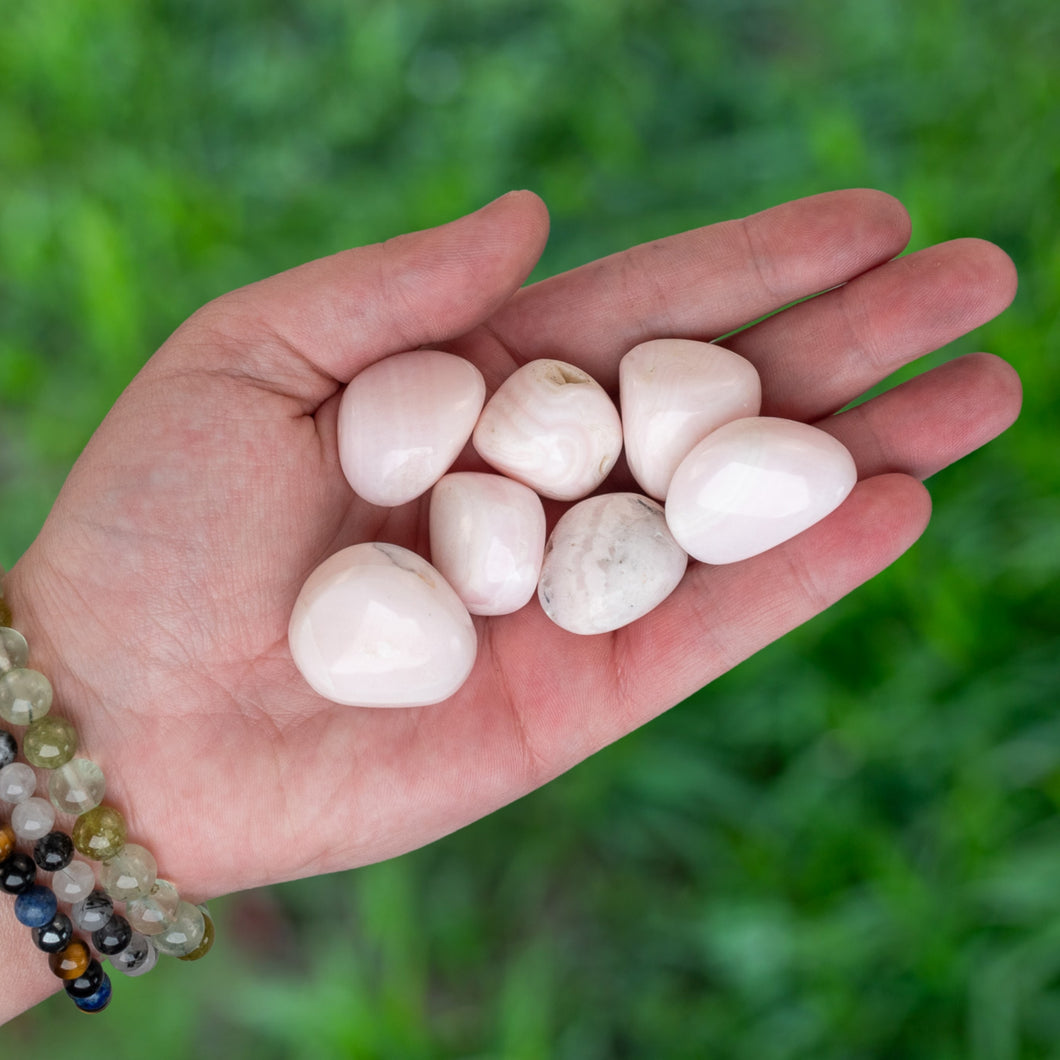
(849, 846)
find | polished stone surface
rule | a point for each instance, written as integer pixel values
(673, 393)
(753, 484)
(487, 539)
(609, 561)
(403, 421)
(553, 427)
(376, 625)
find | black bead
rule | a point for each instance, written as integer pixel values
(53, 851)
(56, 936)
(8, 748)
(88, 982)
(17, 873)
(114, 936)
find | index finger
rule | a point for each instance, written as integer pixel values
(703, 283)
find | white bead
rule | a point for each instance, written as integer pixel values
(17, 782)
(609, 561)
(487, 539)
(754, 483)
(376, 625)
(33, 818)
(552, 427)
(74, 882)
(403, 421)
(673, 393)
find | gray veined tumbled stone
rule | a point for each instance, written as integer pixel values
(610, 560)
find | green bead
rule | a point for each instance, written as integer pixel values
(14, 651)
(49, 742)
(100, 833)
(25, 695)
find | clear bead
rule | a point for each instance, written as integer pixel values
(183, 933)
(17, 782)
(138, 958)
(130, 875)
(33, 818)
(150, 914)
(49, 742)
(25, 695)
(77, 787)
(74, 882)
(93, 911)
(14, 652)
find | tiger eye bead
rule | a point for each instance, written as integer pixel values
(7, 841)
(99, 834)
(70, 962)
(25, 695)
(14, 652)
(49, 742)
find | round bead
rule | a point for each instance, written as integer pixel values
(114, 936)
(93, 911)
(14, 652)
(183, 933)
(98, 1001)
(49, 742)
(138, 958)
(33, 818)
(8, 748)
(17, 873)
(74, 882)
(99, 834)
(88, 982)
(53, 851)
(150, 914)
(206, 944)
(25, 695)
(36, 906)
(54, 936)
(76, 787)
(130, 874)
(71, 962)
(7, 841)
(17, 782)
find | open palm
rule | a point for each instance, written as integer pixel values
(157, 594)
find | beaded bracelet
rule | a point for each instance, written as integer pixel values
(156, 920)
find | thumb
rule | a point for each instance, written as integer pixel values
(341, 313)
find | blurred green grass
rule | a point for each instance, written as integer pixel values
(849, 846)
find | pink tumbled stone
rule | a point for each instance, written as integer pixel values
(753, 484)
(487, 539)
(375, 625)
(403, 421)
(673, 393)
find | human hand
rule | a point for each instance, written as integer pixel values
(157, 595)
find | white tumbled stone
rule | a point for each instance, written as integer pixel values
(487, 536)
(673, 393)
(553, 427)
(753, 484)
(375, 625)
(403, 421)
(609, 560)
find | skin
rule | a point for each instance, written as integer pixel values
(157, 595)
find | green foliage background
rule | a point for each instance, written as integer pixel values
(849, 847)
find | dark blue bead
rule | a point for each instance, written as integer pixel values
(56, 936)
(8, 748)
(17, 873)
(36, 907)
(98, 1001)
